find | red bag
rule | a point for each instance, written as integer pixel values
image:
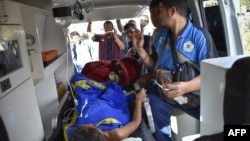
(97, 70)
(125, 71)
(128, 70)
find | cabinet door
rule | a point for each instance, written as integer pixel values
(20, 113)
(46, 94)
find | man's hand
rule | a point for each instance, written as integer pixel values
(111, 32)
(138, 40)
(175, 89)
(181, 88)
(115, 31)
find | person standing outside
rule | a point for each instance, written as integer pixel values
(125, 36)
(126, 40)
(145, 27)
(82, 51)
(192, 43)
(131, 52)
(110, 44)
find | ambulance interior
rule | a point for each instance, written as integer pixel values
(45, 23)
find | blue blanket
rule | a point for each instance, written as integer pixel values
(104, 105)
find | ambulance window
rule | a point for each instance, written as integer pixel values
(243, 14)
(213, 22)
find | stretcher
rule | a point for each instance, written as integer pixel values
(67, 102)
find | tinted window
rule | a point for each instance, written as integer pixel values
(215, 25)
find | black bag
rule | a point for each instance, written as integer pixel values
(186, 72)
(183, 72)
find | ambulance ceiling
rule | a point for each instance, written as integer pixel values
(102, 9)
(44, 4)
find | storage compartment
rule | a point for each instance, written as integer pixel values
(49, 56)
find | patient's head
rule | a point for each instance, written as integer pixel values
(86, 133)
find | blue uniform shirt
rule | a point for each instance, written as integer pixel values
(194, 44)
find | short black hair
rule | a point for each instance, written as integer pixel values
(129, 25)
(83, 133)
(154, 3)
(132, 21)
(181, 5)
(108, 22)
(74, 33)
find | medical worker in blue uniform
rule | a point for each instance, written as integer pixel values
(192, 43)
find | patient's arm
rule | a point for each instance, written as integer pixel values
(125, 131)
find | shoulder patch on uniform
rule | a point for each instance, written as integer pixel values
(188, 46)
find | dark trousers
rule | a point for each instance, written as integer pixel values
(161, 111)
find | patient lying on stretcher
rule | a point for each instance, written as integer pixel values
(103, 110)
(90, 132)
